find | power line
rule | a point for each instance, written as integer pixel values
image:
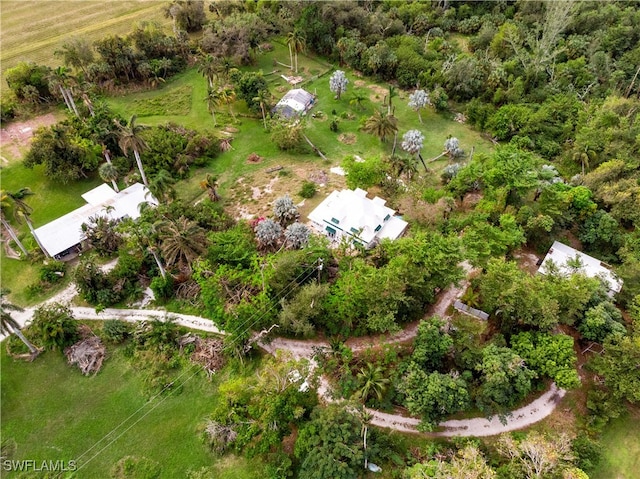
(289, 287)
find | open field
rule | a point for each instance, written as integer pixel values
(79, 411)
(33, 30)
(620, 449)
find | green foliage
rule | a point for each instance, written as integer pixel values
(248, 86)
(330, 445)
(116, 331)
(162, 287)
(517, 298)
(303, 311)
(484, 240)
(176, 102)
(588, 452)
(161, 335)
(235, 246)
(55, 326)
(433, 396)
(602, 322)
(549, 355)
(65, 154)
(505, 379)
(53, 271)
(287, 135)
(431, 344)
(363, 174)
(308, 189)
(136, 467)
(25, 75)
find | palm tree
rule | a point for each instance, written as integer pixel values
(208, 67)
(108, 172)
(585, 157)
(183, 241)
(60, 78)
(297, 44)
(393, 92)
(210, 183)
(358, 99)
(9, 325)
(129, 139)
(372, 381)
(412, 142)
(5, 207)
(213, 99)
(381, 125)
(145, 236)
(228, 96)
(161, 186)
(263, 98)
(23, 211)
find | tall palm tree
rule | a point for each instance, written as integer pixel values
(263, 98)
(129, 139)
(23, 212)
(228, 96)
(213, 99)
(109, 172)
(297, 44)
(6, 204)
(393, 92)
(381, 124)
(144, 235)
(372, 381)
(61, 79)
(210, 183)
(183, 241)
(208, 67)
(161, 186)
(9, 325)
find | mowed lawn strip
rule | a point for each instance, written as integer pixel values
(55, 413)
(32, 31)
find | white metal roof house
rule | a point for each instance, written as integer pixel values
(295, 103)
(568, 260)
(63, 236)
(350, 214)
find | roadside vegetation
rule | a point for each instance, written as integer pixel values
(490, 137)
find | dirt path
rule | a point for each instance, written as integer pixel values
(479, 427)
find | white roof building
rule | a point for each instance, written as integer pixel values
(350, 214)
(296, 102)
(64, 235)
(568, 260)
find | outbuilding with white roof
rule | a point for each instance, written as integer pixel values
(567, 261)
(64, 236)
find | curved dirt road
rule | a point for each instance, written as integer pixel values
(518, 419)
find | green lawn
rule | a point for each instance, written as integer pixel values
(54, 413)
(620, 449)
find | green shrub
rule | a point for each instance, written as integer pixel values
(53, 271)
(308, 189)
(132, 467)
(55, 326)
(116, 331)
(162, 288)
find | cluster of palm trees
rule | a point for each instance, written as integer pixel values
(217, 70)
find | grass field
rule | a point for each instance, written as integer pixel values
(33, 30)
(54, 413)
(620, 449)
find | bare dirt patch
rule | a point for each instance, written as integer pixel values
(252, 196)
(16, 136)
(347, 138)
(527, 260)
(359, 83)
(378, 92)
